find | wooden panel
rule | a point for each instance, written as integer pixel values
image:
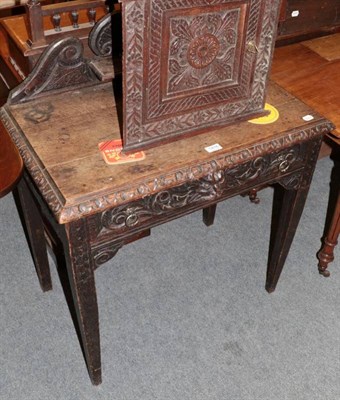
(190, 66)
(327, 47)
(306, 16)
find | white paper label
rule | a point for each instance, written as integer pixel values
(295, 13)
(308, 117)
(213, 147)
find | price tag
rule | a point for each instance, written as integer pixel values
(213, 147)
(308, 117)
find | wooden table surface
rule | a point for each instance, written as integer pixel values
(65, 137)
(311, 71)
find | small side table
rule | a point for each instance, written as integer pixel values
(90, 210)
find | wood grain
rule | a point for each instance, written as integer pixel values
(310, 77)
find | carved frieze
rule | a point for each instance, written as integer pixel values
(103, 253)
(212, 187)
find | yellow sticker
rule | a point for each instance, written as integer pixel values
(267, 119)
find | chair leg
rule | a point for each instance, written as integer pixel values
(80, 269)
(34, 227)
(326, 254)
(287, 209)
(209, 215)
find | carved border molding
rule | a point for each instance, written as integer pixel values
(53, 198)
(123, 195)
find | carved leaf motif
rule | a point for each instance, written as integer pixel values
(221, 71)
(174, 67)
(229, 22)
(181, 29)
(175, 46)
(198, 26)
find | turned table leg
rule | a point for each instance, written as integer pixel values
(287, 209)
(326, 254)
(80, 268)
(34, 227)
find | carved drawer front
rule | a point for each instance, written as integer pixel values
(190, 65)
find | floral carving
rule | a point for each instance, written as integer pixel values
(195, 70)
(202, 50)
(223, 182)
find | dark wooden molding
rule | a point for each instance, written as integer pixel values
(100, 37)
(61, 67)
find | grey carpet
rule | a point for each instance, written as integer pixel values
(184, 314)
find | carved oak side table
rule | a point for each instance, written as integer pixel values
(91, 209)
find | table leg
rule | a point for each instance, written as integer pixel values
(34, 227)
(209, 215)
(80, 268)
(287, 209)
(326, 254)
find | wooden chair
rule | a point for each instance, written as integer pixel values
(24, 37)
(331, 234)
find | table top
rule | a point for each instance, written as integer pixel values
(58, 137)
(310, 70)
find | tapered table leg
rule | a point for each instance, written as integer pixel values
(36, 235)
(287, 209)
(326, 254)
(209, 215)
(80, 270)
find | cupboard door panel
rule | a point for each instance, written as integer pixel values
(190, 65)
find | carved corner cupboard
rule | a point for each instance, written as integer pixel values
(193, 65)
(89, 210)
